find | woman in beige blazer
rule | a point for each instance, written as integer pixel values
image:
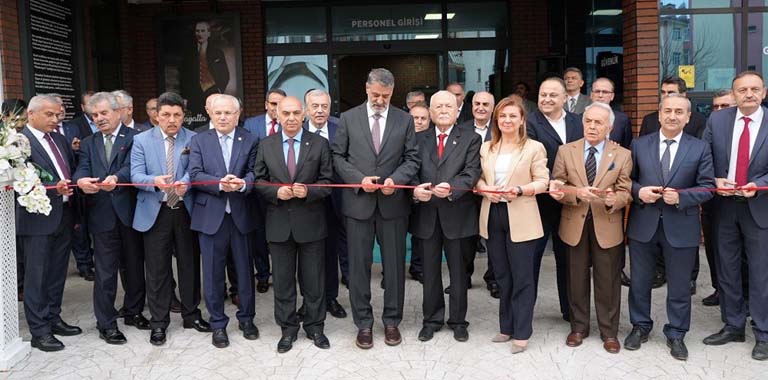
(516, 166)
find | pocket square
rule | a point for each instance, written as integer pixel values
(611, 166)
(185, 150)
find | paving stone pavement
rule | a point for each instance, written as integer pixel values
(190, 355)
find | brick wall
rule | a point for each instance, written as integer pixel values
(529, 30)
(137, 37)
(641, 59)
(10, 50)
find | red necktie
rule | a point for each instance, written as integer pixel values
(441, 145)
(274, 127)
(742, 156)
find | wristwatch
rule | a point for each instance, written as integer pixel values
(519, 190)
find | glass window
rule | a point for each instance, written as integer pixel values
(476, 69)
(386, 22)
(296, 74)
(712, 46)
(694, 4)
(477, 20)
(295, 25)
(757, 43)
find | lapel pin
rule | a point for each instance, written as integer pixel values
(454, 142)
(610, 154)
(306, 143)
(239, 139)
(121, 135)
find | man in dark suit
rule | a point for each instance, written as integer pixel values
(204, 70)
(262, 126)
(553, 126)
(84, 123)
(421, 122)
(318, 122)
(575, 101)
(445, 214)
(296, 229)
(105, 162)
(159, 159)
(223, 215)
(126, 111)
(482, 111)
(151, 108)
(376, 143)
(670, 170)
(46, 239)
(602, 92)
(674, 85)
(739, 139)
(465, 113)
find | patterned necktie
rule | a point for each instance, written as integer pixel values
(291, 162)
(441, 145)
(376, 132)
(571, 104)
(108, 146)
(742, 155)
(225, 151)
(171, 198)
(665, 160)
(57, 155)
(590, 165)
(273, 130)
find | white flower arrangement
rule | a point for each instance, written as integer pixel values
(14, 152)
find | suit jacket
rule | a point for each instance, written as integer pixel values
(303, 219)
(581, 103)
(695, 126)
(81, 123)
(691, 168)
(465, 114)
(719, 135)
(217, 66)
(527, 168)
(469, 125)
(147, 162)
(93, 163)
(613, 173)
(622, 130)
(258, 126)
(28, 224)
(354, 157)
(460, 167)
(141, 127)
(206, 163)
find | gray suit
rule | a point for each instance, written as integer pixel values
(581, 103)
(375, 214)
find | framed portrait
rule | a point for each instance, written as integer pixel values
(200, 55)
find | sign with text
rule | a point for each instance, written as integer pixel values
(385, 22)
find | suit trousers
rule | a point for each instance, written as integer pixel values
(81, 247)
(513, 267)
(213, 250)
(417, 262)
(471, 255)
(45, 271)
(260, 252)
(390, 233)
(169, 234)
(119, 248)
(679, 264)
(606, 275)
(737, 232)
(433, 304)
(309, 260)
(550, 221)
(334, 249)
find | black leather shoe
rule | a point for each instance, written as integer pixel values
(712, 299)
(138, 321)
(250, 331)
(493, 288)
(112, 336)
(219, 338)
(87, 274)
(418, 276)
(635, 339)
(659, 280)
(301, 313)
(175, 305)
(426, 334)
(760, 352)
(47, 343)
(157, 336)
(262, 286)
(64, 329)
(722, 337)
(286, 343)
(692, 285)
(460, 333)
(447, 290)
(321, 341)
(480, 248)
(625, 281)
(677, 348)
(198, 324)
(335, 308)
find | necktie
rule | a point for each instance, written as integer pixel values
(291, 162)
(171, 199)
(205, 77)
(108, 146)
(742, 156)
(273, 130)
(57, 155)
(225, 151)
(590, 165)
(441, 145)
(571, 104)
(376, 132)
(665, 160)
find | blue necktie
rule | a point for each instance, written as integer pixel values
(226, 153)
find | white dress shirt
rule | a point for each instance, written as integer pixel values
(437, 137)
(672, 147)
(323, 130)
(132, 124)
(483, 131)
(382, 120)
(558, 125)
(738, 128)
(40, 136)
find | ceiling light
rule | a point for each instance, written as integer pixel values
(426, 36)
(438, 16)
(606, 12)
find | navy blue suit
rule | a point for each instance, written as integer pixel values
(220, 230)
(539, 129)
(622, 130)
(117, 246)
(672, 230)
(742, 226)
(81, 240)
(45, 241)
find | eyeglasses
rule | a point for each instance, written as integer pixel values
(716, 107)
